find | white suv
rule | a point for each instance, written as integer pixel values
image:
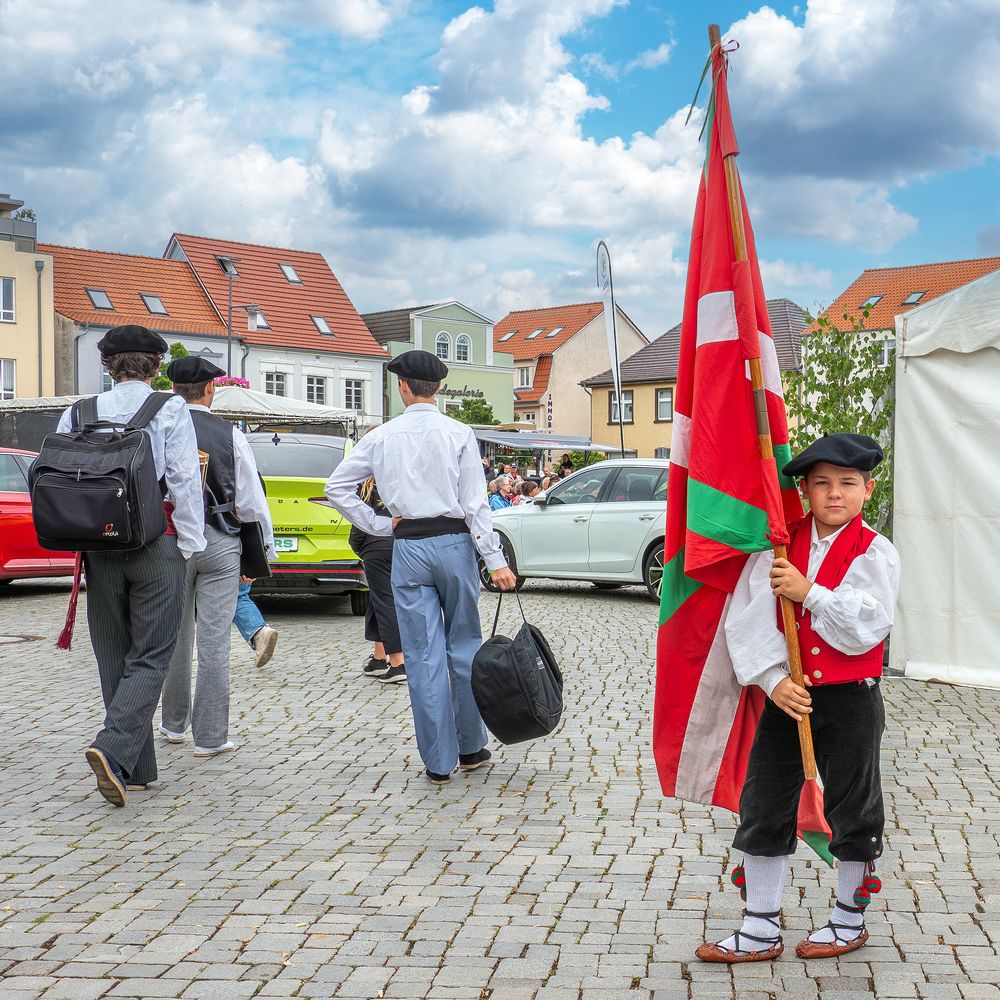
(604, 523)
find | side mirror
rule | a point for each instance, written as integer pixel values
(541, 500)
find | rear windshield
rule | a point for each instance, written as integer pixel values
(296, 460)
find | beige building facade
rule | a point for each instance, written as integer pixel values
(27, 339)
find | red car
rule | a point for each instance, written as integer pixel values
(20, 554)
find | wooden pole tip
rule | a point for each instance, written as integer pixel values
(714, 35)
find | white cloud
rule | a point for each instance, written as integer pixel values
(651, 58)
(782, 276)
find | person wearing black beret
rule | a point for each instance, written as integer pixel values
(430, 478)
(843, 580)
(234, 496)
(134, 597)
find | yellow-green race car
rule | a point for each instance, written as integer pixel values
(314, 556)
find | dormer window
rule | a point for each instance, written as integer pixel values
(99, 297)
(290, 274)
(228, 265)
(153, 303)
(872, 300)
(262, 324)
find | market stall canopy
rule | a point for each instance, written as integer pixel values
(945, 519)
(526, 441)
(236, 403)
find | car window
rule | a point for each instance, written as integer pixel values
(584, 487)
(660, 493)
(635, 484)
(11, 476)
(297, 460)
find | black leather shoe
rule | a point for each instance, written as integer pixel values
(438, 779)
(470, 761)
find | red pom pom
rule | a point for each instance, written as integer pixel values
(872, 883)
(738, 877)
(861, 897)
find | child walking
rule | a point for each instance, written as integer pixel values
(843, 578)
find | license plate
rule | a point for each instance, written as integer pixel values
(286, 545)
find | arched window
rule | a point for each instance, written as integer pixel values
(463, 348)
(442, 346)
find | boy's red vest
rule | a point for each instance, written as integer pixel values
(821, 663)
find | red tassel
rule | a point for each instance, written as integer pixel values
(65, 639)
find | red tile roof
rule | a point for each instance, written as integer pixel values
(287, 307)
(122, 277)
(524, 322)
(541, 383)
(895, 284)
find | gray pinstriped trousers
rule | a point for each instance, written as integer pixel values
(210, 591)
(134, 612)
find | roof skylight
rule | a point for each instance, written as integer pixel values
(871, 301)
(321, 324)
(534, 333)
(153, 303)
(227, 265)
(553, 332)
(100, 299)
(913, 298)
(506, 336)
(289, 272)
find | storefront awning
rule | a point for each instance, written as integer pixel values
(527, 441)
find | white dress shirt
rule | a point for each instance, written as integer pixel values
(175, 454)
(250, 503)
(425, 465)
(853, 617)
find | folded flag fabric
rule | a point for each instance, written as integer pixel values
(724, 501)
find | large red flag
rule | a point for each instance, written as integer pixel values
(724, 501)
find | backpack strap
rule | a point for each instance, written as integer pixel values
(83, 411)
(153, 404)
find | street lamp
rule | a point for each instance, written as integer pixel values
(228, 264)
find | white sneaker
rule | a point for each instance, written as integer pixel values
(213, 751)
(263, 645)
(172, 737)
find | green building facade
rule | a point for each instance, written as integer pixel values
(463, 340)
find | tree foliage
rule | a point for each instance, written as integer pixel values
(474, 410)
(162, 381)
(845, 386)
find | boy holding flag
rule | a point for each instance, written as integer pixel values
(843, 578)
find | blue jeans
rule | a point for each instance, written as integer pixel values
(435, 585)
(248, 618)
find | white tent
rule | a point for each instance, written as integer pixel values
(236, 403)
(947, 481)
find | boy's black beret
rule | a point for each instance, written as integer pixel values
(192, 370)
(131, 339)
(852, 451)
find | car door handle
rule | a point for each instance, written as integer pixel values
(647, 517)
(582, 517)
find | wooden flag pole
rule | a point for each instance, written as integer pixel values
(766, 448)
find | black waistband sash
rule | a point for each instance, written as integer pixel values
(431, 527)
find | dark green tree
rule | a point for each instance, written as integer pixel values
(846, 386)
(475, 410)
(176, 351)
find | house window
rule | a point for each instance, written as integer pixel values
(262, 324)
(887, 353)
(523, 377)
(154, 303)
(664, 406)
(554, 331)
(7, 300)
(7, 383)
(290, 276)
(451, 406)
(99, 298)
(228, 266)
(107, 382)
(442, 346)
(354, 394)
(872, 300)
(274, 383)
(626, 407)
(506, 336)
(463, 348)
(661, 453)
(534, 333)
(321, 324)
(530, 417)
(913, 298)
(316, 390)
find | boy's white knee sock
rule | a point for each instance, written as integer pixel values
(765, 884)
(850, 875)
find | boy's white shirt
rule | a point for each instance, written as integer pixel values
(853, 617)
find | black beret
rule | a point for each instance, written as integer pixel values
(132, 339)
(192, 370)
(419, 365)
(852, 451)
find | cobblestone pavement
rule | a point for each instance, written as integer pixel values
(316, 861)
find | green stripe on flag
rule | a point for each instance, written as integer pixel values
(820, 843)
(726, 519)
(782, 456)
(677, 587)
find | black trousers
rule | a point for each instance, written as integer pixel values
(847, 724)
(134, 602)
(380, 618)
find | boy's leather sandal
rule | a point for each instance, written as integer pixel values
(831, 949)
(774, 946)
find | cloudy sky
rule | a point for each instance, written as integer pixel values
(436, 150)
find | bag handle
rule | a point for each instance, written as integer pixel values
(496, 617)
(77, 417)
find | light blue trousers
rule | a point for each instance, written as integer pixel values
(435, 585)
